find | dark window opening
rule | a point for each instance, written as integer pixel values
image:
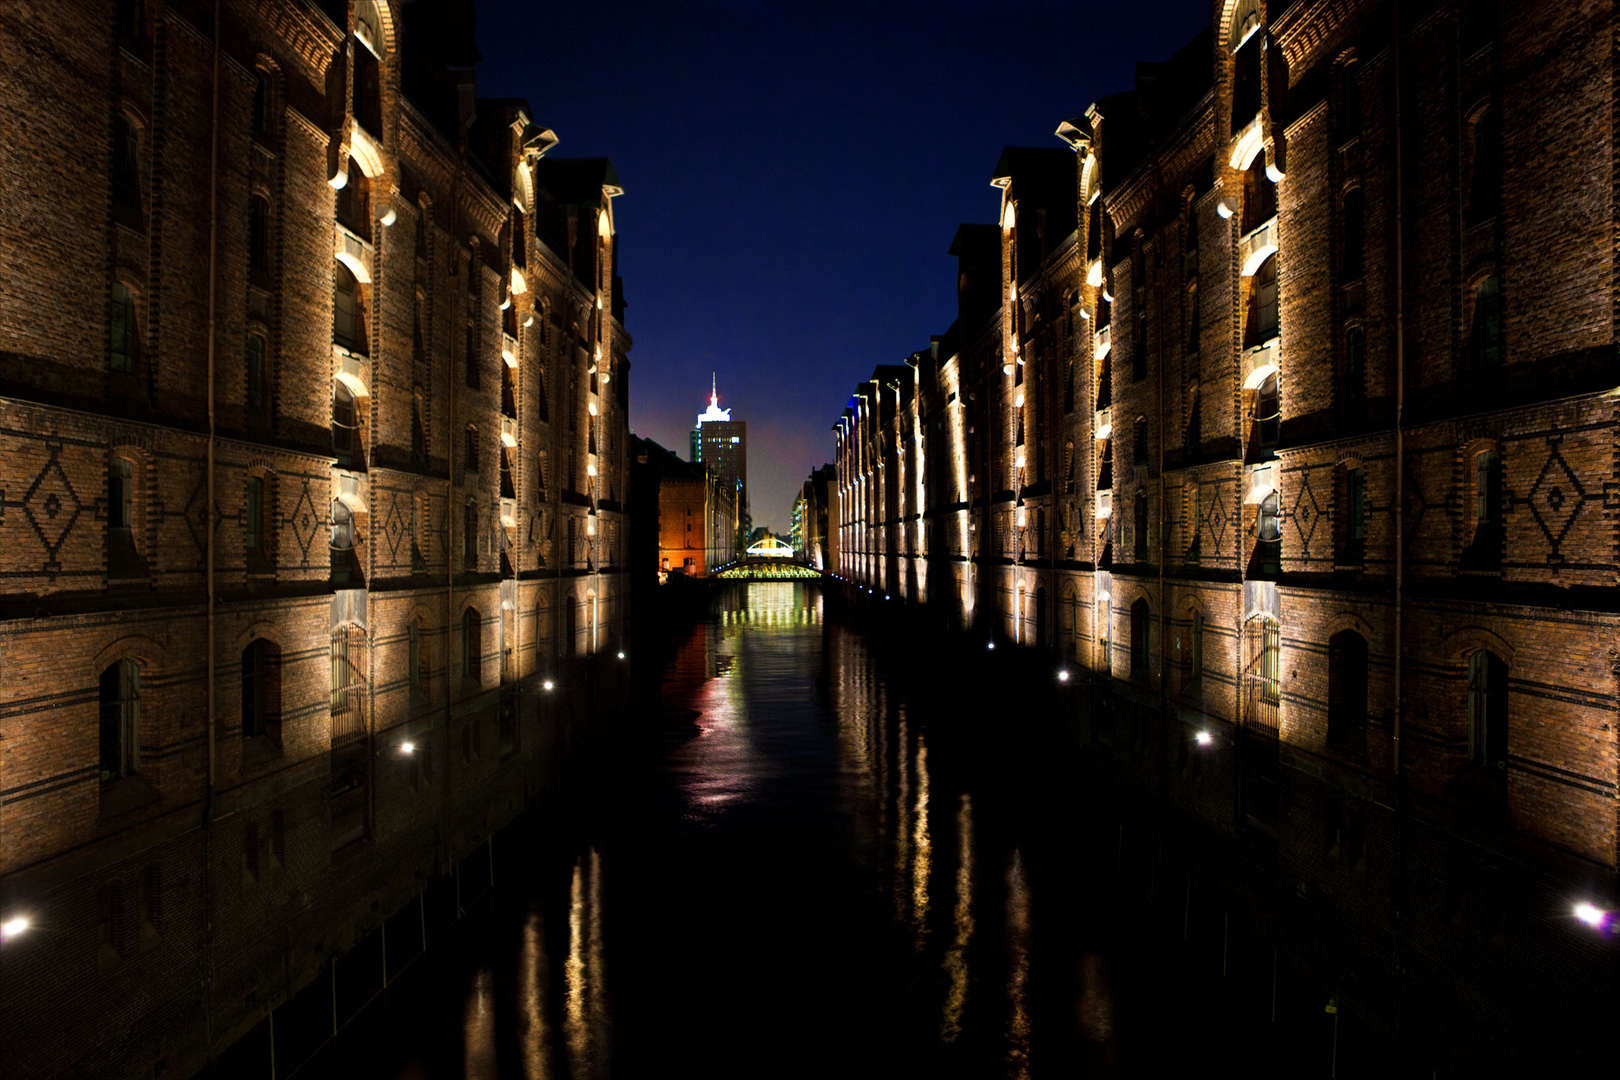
(1139, 638)
(1259, 195)
(345, 423)
(469, 537)
(124, 339)
(353, 202)
(1267, 414)
(472, 653)
(367, 89)
(259, 236)
(1485, 190)
(255, 397)
(126, 171)
(1262, 321)
(1354, 387)
(1485, 336)
(1350, 534)
(474, 368)
(120, 703)
(348, 315)
(469, 450)
(261, 101)
(261, 691)
(1139, 528)
(1355, 235)
(1139, 442)
(1347, 692)
(1488, 711)
(1246, 82)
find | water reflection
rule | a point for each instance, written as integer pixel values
(585, 1005)
(956, 960)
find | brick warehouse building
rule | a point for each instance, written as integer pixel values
(313, 383)
(1280, 408)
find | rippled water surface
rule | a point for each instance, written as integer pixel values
(832, 869)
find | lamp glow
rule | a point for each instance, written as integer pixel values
(548, 684)
(621, 656)
(13, 927)
(1204, 738)
(1063, 676)
(990, 645)
(1592, 915)
(407, 748)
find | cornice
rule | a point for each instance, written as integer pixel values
(309, 35)
(1306, 28)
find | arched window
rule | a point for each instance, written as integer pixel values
(348, 315)
(1139, 527)
(1267, 413)
(1259, 195)
(1350, 515)
(261, 691)
(1485, 334)
(1262, 317)
(1349, 111)
(1195, 332)
(367, 67)
(120, 698)
(352, 202)
(1353, 384)
(1139, 638)
(262, 90)
(254, 540)
(345, 423)
(1488, 711)
(1484, 550)
(1347, 692)
(1244, 39)
(1263, 678)
(124, 338)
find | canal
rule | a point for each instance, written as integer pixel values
(832, 849)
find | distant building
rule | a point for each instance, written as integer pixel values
(696, 512)
(810, 517)
(722, 443)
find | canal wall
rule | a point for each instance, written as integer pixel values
(1394, 935)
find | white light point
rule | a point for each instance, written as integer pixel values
(548, 684)
(407, 748)
(1063, 676)
(1591, 915)
(13, 927)
(1204, 738)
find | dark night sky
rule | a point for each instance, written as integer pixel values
(793, 175)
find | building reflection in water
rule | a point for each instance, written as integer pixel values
(1018, 947)
(482, 1062)
(585, 1002)
(534, 1023)
(956, 957)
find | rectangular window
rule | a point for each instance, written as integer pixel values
(122, 329)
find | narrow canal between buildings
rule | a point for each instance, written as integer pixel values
(830, 852)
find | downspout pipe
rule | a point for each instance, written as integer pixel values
(212, 717)
(1400, 402)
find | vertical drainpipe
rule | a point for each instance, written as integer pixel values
(213, 281)
(1400, 400)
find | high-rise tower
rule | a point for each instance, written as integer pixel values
(722, 443)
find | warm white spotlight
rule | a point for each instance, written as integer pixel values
(1063, 676)
(548, 684)
(13, 927)
(407, 748)
(1204, 738)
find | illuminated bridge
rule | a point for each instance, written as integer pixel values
(768, 560)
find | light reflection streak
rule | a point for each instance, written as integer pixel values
(922, 846)
(956, 963)
(480, 1061)
(1018, 1019)
(585, 1005)
(535, 973)
(902, 830)
(1096, 1011)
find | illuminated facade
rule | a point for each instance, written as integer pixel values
(307, 503)
(722, 444)
(1281, 413)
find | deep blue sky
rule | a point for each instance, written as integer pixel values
(793, 175)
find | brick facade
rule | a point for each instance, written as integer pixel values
(315, 445)
(1280, 410)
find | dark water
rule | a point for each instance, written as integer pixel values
(855, 862)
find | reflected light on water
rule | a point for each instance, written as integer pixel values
(585, 1011)
(956, 963)
(535, 976)
(922, 846)
(1018, 1020)
(481, 1062)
